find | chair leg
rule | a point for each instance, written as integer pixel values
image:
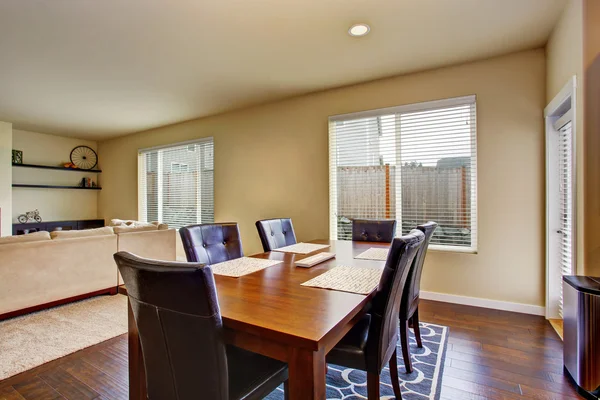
(394, 375)
(286, 390)
(404, 344)
(372, 386)
(417, 328)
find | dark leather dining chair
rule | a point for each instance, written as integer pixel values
(373, 230)
(177, 314)
(409, 307)
(371, 343)
(212, 243)
(276, 233)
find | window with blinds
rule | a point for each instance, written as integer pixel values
(565, 205)
(412, 163)
(176, 184)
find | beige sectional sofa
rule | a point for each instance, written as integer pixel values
(41, 270)
(157, 245)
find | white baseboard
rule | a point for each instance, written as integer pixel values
(485, 303)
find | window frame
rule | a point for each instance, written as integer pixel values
(397, 110)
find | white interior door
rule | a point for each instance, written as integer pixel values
(560, 196)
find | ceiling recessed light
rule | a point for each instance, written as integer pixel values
(359, 30)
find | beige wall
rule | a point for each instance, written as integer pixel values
(6, 177)
(53, 204)
(564, 50)
(591, 189)
(272, 160)
(564, 58)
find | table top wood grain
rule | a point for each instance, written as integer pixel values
(271, 303)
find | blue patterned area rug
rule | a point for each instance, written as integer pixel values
(423, 383)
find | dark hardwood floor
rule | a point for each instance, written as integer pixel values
(491, 355)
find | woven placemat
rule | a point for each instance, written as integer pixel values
(302, 248)
(374, 253)
(242, 266)
(348, 279)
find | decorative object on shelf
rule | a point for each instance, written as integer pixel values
(84, 157)
(17, 157)
(87, 183)
(70, 165)
(30, 215)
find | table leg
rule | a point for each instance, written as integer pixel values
(137, 374)
(307, 371)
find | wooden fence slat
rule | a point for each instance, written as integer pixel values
(428, 193)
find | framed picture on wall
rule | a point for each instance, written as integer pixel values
(17, 157)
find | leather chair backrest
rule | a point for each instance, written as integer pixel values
(383, 333)
(413, 281)
(176, 310)
(212, 243)
(276, 233)
(373, 230)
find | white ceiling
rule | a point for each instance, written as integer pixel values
(101, 68)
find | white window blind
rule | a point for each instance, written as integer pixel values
(565, 186)
(411, 163)
(176, 184)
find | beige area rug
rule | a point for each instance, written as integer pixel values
(34, 339)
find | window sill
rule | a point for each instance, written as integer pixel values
(452, 249)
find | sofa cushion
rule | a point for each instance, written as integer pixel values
(160, 225)
(139, 228)
(121, 222)
(30, 237)
(58, 235)
(131, 223)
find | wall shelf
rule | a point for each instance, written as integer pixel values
(22, 185)
(93, 171)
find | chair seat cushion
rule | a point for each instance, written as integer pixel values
(350, 351)
(252, 376)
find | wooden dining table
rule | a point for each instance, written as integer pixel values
(270, 313)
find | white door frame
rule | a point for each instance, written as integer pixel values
(559, 112)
